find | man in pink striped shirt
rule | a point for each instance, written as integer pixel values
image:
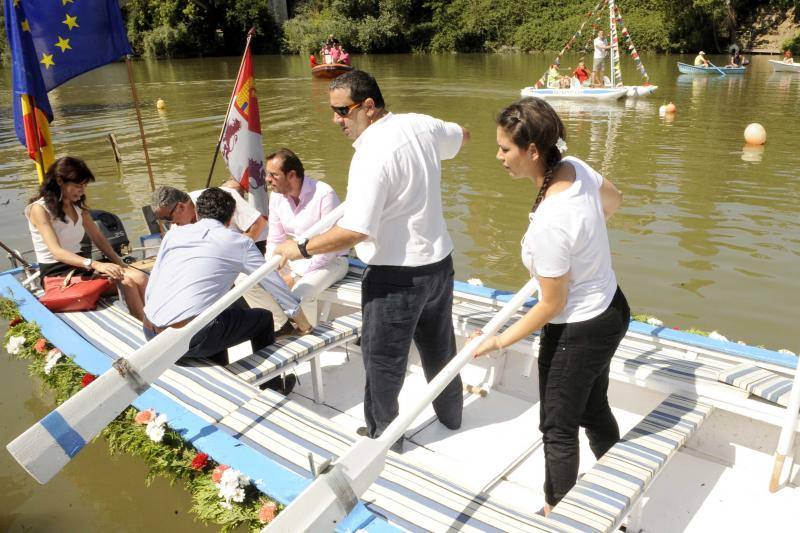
(296, 203)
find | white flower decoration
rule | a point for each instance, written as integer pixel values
(561, 145)
(231, 487)
(14, 344)
(475, 281)
(653, 321)
(51, 359)
(717, 336)
(155, 428)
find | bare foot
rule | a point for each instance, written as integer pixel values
(547, 509)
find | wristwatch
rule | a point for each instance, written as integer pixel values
(87, 263)
(301, 245)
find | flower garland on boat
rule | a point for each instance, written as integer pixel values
(220, 494)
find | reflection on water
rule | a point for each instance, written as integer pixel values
(707, 236)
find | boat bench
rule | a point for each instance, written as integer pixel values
(758, 381)
(204, 388)
(288, 352)
(611, 490)
(413, 498)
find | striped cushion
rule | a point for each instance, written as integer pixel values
(290, 350)
(759, 381)
(206, 389)
(604, 496)
(412, 498)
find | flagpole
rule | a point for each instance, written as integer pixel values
(139, 120)
(227, 112)
(39, 175)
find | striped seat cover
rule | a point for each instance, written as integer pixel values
(604, 496)
(287, 351)
(759, 381)
(408, 496)
(205, 389)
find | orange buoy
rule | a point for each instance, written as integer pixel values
(755, 134)
(671, 108)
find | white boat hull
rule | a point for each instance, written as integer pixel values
(580, 93)
(780, 66)
(634, 91)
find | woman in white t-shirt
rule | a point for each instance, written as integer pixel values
(581, 310)
(58, 219)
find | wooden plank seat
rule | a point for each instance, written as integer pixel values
(411, 497)
(766, 384)
(290, 351)
(204, 388)
(607, 493)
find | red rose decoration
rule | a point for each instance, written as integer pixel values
(14, 321)
(200, 461)
(87, 378)
(267, 512)
(40, 346)
(216, 475)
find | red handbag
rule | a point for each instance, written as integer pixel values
(73, 293)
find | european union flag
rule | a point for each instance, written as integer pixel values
(53, 41)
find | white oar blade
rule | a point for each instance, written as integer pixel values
(45, 448)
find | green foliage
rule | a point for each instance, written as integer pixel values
(792, 44)
(183, 28)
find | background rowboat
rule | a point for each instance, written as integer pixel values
(330, 71)
(691, 69)
(780, 66)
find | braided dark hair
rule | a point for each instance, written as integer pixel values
(533, 121)
(70, 170)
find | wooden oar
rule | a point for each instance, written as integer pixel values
(335, 492)
(48, 446)
(716, 67)
(786, 439)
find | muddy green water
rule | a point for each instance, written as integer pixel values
(708, 235)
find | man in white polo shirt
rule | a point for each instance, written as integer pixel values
(397, 226)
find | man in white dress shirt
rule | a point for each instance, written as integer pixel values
(178, 207)
(196, 265)
(398, 228)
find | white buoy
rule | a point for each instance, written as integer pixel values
(161, 104)
(755, 134)
(662, 111)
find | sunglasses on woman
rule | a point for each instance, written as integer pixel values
(345, 110)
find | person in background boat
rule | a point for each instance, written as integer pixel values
(178, 207)
(297, 202)
(787, 57)
(58, 220)
(312, 59)
(344, 57)
(336, 52)
(553, 77)
(398, 229)
(700, 60)
(582, 73)
(195, 266)
(600, 52)
(582, 312)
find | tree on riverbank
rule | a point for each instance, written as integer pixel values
(190, 28)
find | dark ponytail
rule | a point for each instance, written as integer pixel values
(533, 121)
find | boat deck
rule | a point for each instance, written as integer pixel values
(488, 475)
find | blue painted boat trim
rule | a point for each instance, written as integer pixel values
(749, 352)
(66, 437)
(269, 477)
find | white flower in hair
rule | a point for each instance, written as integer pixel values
(561, 145)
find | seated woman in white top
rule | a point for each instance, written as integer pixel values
(58, 220)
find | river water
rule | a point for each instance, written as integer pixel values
(708, 235)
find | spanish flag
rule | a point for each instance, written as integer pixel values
(52, 42)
